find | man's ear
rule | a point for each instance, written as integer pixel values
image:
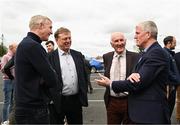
(41, 25)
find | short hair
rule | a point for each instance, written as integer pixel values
(61, 30)
(50, 41)
(12, 45)
(36, 20)
(168, 39)
(151, 27)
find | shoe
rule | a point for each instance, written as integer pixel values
(5, 123)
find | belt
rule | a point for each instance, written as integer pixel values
(69, 96)
(119, 97)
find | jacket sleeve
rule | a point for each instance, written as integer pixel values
(7, 68)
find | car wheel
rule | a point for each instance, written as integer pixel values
(93, 70)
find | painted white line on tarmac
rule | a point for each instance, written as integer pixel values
(99, 88)
(95, 100)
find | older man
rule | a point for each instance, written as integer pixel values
(147, 102)
(118, 65)
(34, 74)
(8, 86)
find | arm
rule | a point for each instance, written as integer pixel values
(149, 70)
(39, 60)
(7, 68)
(153, 68)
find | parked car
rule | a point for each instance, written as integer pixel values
(96, 65)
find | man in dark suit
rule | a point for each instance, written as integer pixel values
(116, 104)
(173, 80)
(70, 68)
(147, 102)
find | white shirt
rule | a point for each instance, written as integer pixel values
(122, 74)
(69, 73)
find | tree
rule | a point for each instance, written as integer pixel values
(3, 50)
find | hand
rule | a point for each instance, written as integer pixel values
(104, 81)
(134, 77)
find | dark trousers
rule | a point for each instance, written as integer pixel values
(31, 115)
(71, 109)
(117, 111)
(89, 83)
(172, 98)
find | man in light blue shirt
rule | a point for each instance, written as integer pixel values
(69, 65)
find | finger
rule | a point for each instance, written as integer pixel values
(131, 80)
(101, 75)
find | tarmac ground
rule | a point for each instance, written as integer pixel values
(95, 113)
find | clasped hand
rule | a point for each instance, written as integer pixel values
(104, 81)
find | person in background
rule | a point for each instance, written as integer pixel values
(50, 46)
(8, 85)
(35, 75)
(88, 71)
(7, 69)
(177, 59)
(118, 65)
(69, 65)
(169, 45)
(147, 102)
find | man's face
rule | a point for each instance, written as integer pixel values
(173, 44)
(141, 37)
(50, 47)
(64, 41)
(118, 42)
(45, 30)
(14, 48)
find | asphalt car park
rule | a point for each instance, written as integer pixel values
(95, 113)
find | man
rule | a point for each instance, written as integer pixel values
(7, 70)
(69, 65)
(50, 46)
(169, 45)
(88, 72)
(34, 74)
(8, 85)
(118, 65)
(147, 101)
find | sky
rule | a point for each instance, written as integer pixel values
(91, 21)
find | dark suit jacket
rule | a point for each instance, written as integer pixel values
(147, 102)
(177, 58)
(81, 73)
(131, 60)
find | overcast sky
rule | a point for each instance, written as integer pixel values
(91, 21)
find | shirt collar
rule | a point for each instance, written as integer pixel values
(61, 52)
(34, 37)
(122, 54)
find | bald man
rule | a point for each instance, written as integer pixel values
(118, 65)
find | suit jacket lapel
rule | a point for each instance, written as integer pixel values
(57, 63)
(144, 54)
(75, 58)
(109, 63)
(128, 63)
